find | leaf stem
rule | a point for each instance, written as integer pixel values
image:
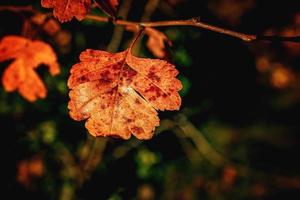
(137, 36)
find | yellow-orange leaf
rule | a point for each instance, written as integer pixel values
(27, 55)
(65, 10)
(119, 93)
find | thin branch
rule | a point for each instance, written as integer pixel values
(94, 158)
(116, 22)
(275, 38)
(195, 22)
(18, 8)
(149, 10)
(200, 141)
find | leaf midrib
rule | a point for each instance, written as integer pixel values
(117, 90)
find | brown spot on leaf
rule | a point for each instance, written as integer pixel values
(116, 66)
(153, 76)
(105, 80)
(137, 130)
(137, 101)
(128, 73)
(83, 79)
(128, 120)
(151, 89)
(153, 98)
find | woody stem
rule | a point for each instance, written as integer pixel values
(195, 22)
(18, 8)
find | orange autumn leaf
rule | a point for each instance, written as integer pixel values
(28, 170)
(65, 10)
(120, 94)
(28, 55)
(157, 42)
(51, 27)
(39, 22)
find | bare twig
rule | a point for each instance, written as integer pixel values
(149, 10)
(93, 160)
(195, 22)
(18, 8)
(275, 38)
(200, 141)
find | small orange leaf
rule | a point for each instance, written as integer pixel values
(65, 10)
(29, 170)
(157, 42)
(51, 27)
(28, 55)
(119, 93)
(40, 22)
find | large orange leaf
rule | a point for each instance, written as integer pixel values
(119, 93)
(65, 10)
(28, 55)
